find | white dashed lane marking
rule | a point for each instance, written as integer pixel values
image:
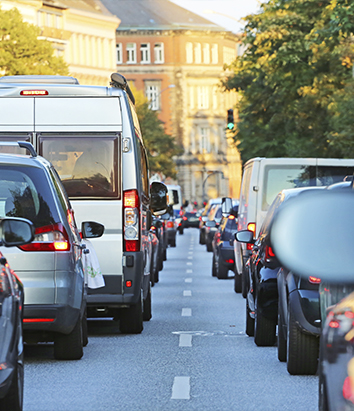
(188, 280)
(187, 293)
(185, 340)
(186, 312)
(181, 388)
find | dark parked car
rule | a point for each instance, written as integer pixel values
(215, 215)
(223, 252)
(13, 232)
(204, 217)
(190, 219)
(169, 222)
(263, 267)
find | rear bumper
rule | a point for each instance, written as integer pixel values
(226, 254)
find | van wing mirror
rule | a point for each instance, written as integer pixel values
(312, 235)
(16, 231)
(158, 198)
(244, 236)
(226, 206)
(91, 229)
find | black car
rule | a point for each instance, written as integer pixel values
(14, 232)
(215, 215)
(223, 252)
(263, 267)
(205, 217)
(190, 219)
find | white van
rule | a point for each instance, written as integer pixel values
(264, 178)
(175, 198)
(92, 137)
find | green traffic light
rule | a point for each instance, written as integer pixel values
(230, 126)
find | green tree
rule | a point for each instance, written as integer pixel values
(289, 78)
(20, 50)
(160, 146)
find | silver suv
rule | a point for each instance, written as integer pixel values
(51, 266)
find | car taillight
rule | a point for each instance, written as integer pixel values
(231, 217)
(49, 238)
(131, 220)
(184, 218)
(169, 224)
(314, 280)
(34, 93)
(230, 261)
(348, 389)
(252, 227)
(269, 253)
(333, 324)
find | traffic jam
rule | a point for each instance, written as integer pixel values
(85, 235)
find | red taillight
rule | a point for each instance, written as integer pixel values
(349, 314)
(38, 320)
(231, 217)
(269, 252)
(49, 238)
(348, 392)
(34, 93)
(128, 283)
(230, 261)
(169, 224)
(252, 227)
(249, 246)
(184, 218)
(200, 218)
(314, 280)
(333, 324)
(131, 219)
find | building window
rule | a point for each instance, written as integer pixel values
(131, 53)
(119, 53)
(189, 52)
(152, 92)
(214, 54)
(198, 53)
(191, 97)
(203, 97)
(204, 140)
(145, 53)
(206, 54)
(159, 53)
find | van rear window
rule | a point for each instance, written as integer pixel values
(87, 165)
(277, 178)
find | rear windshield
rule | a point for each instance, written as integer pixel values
(25, 192)
(87, 165)
(277, 178)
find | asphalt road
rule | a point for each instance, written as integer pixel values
(192, 355)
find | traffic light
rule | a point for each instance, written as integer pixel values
(230, 119)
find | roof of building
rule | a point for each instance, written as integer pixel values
(157, 15)
(92, 6)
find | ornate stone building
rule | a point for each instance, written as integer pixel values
(82, 31)
(177, 58)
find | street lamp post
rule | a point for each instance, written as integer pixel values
(159, 94)
(205, 180)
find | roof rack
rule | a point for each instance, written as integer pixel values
(120, 81)
(39, 79)
(23, 144)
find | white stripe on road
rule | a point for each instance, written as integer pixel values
(188, 280)
(181, 388)
(189, 263)
(189, 271)
(190, 252)
(185, 340)
(190, 258)
(187, 293)
(186, 312)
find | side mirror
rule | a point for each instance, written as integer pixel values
(244, 236)
(16, 231)
(158, 198)
(226, 206)
(204, 218)
(91, 229)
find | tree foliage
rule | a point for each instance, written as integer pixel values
(295, 80)
(20, 50)
(160, 146)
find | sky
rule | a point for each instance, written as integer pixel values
(226, 13)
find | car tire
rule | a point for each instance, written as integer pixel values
(238, 283)
(156, 276)
(180, 231)
(201, 238)
(70, 346)
(84, 329)
(222, 272)
(322, 389)
(264, 330)
(131, 319)
(281, 338)
(147, 306)
(209, 247)
(249, 322)
(245, 282)
(164, 254)
(13, 400)
(213, 267)
(302, 349)
(173, 242)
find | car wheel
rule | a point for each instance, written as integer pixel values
(264, 329)
(238, 283)
(281, 338)
(131, 319)
(147, 306)
(201, 238)
(245, 282)
(70, 346)
(209, 247)
(156, 276)
(180, 231)
(322, 390)
(213, 268)
(84, 329)
(302, 349)
(164, 255)
(221, 272)
(249, 322)
(173, 242)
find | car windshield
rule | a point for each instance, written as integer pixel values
(87, 165)
(25, 192)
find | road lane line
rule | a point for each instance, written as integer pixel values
(188, 280)
(189, 258)
(187, 293)
(189, 263)
(189, 271)
(185, 340)
(186, 312)
(181, 388)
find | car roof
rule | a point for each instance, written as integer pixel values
(24, 160)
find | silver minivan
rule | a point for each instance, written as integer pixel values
(91, 135)
(50, 267)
